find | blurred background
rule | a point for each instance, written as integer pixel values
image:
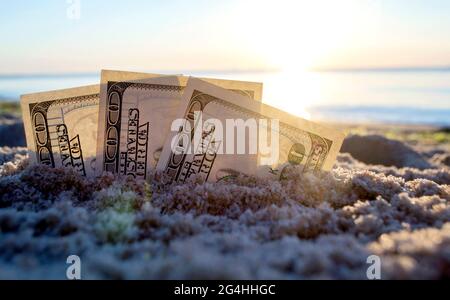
(348, 61)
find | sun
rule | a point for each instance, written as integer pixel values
(296, 34)
(293, 37)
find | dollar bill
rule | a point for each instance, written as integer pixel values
(135, 115)
(212, 121)
(61, 127)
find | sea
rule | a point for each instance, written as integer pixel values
(388, 96)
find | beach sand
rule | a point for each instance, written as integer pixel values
(388, 195)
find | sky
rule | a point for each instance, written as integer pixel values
(63, 36)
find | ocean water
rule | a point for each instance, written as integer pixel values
(386, 96)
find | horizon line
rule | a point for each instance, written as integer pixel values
(422, 68)
(156, 71)
(431, 68)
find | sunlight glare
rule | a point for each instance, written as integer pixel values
(297, 33)
(294, 36)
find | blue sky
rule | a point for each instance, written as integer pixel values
(39, 37)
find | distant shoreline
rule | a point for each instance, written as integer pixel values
(390, 95)
(344, 115)
(385, 69)
(406, 69)
(12, 109)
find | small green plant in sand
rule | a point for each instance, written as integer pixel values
(115, 221)
(112, 226)
(117, 198)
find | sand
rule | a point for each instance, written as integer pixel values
(394, 204)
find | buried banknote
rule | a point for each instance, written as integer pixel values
(135, 117)
(61, 126)
(220, 134)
